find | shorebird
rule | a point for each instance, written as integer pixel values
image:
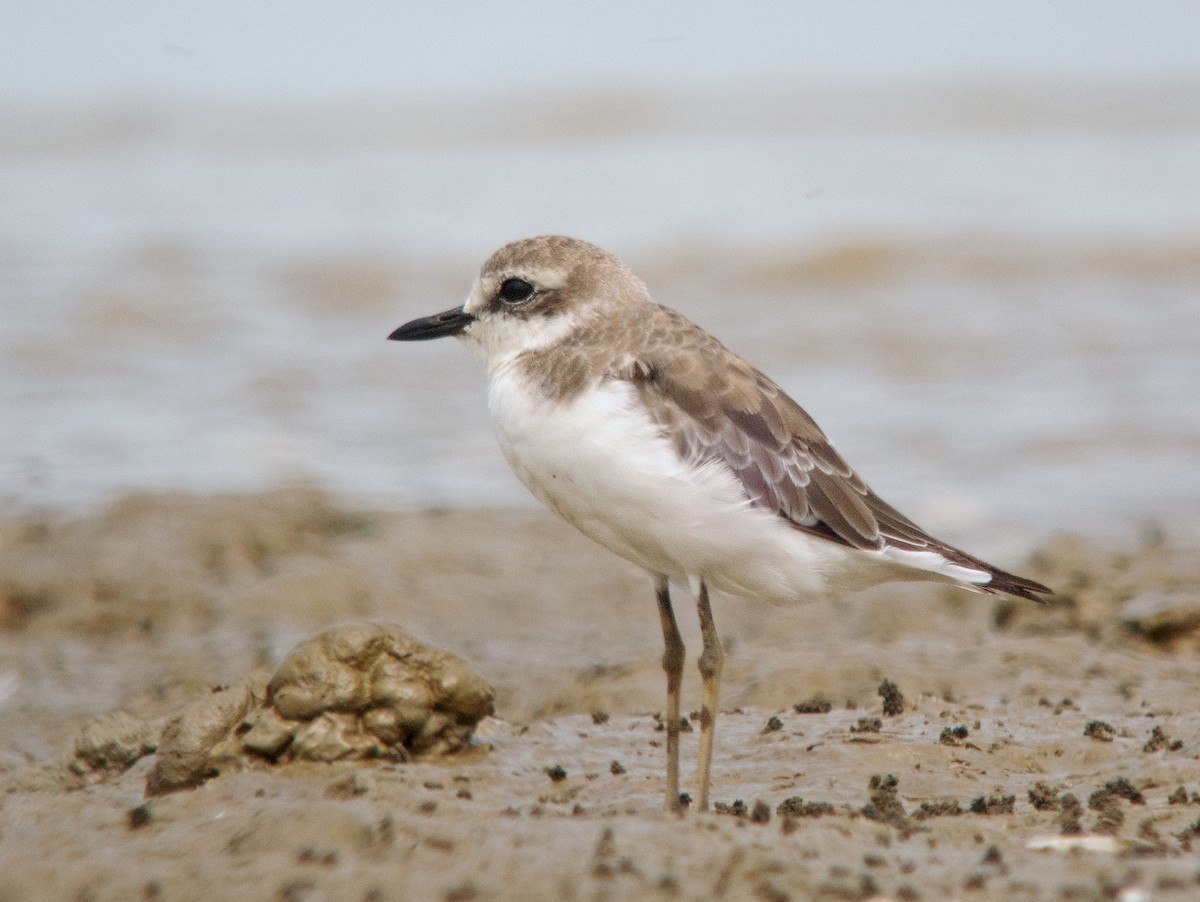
(658, 442)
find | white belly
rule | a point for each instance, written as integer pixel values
(604, 466)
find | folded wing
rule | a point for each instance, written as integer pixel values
(734, 414)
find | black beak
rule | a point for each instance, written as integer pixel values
(449, 322)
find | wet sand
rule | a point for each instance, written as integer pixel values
(1037, 753)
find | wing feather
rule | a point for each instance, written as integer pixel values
(733, 414)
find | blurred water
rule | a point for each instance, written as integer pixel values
(986, 292)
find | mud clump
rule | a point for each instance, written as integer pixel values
(794, 806)
(996, 803)
(817, 704)
(867, 725)
(197, 744)
(1180, 797)
(1123, 789)
(1106, 803)
(938, 808)
(737, 808)
(1044, 797)
(1166, 619)
(885, 804)
(953, 735)
(1110, 817)
(111, 744)
(1159, 740)
(760, 813)
(893, 699)
(353, 692)
(1069, 820)
(1143, 595)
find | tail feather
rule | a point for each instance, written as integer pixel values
(901, 533)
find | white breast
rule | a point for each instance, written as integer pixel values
(600, 462)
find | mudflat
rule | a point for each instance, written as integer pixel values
(913, 742)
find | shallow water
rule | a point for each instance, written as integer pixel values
(986, 294)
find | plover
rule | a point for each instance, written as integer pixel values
(658, 442)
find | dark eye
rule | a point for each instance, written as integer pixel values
(514, 290)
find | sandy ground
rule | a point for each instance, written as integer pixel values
(1039, 753)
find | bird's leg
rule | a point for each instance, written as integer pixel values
(711, 660)
(672, 661)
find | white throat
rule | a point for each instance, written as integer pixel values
(501, 339)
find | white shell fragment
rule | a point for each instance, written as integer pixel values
(1088, 842)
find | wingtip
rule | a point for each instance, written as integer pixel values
(1019, 587)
